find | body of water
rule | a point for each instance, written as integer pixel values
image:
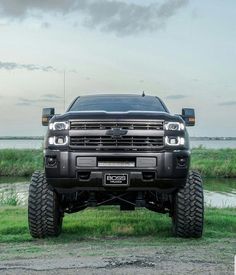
(38, 144)
(217, 193)
(21, 144)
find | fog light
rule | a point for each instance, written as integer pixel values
(182, 161)
(51, 161)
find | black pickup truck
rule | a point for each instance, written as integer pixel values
(125, 150)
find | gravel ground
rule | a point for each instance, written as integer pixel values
(117, 257)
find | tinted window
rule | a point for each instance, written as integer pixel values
(118, 104)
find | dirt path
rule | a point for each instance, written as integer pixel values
(118, 257)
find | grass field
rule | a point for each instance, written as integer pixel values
(211, 163)
(109, 222)
(20, 163)
(215, 163)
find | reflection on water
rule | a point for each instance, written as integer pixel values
(220, 192)
(220, 200)
(14, 193)
(217, 193)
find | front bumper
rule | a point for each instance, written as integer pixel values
(74, 171)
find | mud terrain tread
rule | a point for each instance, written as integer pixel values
(189, 208)
(44, 217)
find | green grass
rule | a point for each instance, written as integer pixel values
(11, 199)
(12, 180)
(110, 223)
(215, 163)
(219, 185)
(210, 162)
(19, 162)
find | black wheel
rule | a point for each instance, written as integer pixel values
(188, 212)
(44, 215)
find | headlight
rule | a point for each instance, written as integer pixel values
(58, 140)
(59, 126)
(174, 126)
(174, 141)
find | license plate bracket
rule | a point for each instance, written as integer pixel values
(116, 179)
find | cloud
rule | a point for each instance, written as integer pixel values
(115, 16)
(47, 98)
(25, 102)
(228, 103)
(176, 97)
(45, 25)
(30, 67)
(51, 96)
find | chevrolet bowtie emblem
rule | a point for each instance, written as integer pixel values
(117, 132)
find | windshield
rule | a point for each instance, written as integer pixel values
(118, 104)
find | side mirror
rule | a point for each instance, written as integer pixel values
(188, 116)
(47, 114)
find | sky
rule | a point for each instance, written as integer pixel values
(183, 51)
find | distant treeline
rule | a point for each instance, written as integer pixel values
(22, 138)
(212, 138)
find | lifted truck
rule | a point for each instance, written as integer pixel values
(125, 150)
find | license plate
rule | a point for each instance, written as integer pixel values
(116, 179)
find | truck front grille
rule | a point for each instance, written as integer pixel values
(135, 135)
(106, 125)
(137, 143)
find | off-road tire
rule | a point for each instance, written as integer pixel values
(44, 215)
(188, 212)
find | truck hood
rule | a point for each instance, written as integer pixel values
(96, 115)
